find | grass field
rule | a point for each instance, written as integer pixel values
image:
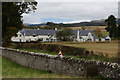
(13, 70)
(109, 48)
(101, 51)
(102, 28)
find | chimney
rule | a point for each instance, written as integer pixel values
(78, 36)
(55, 28)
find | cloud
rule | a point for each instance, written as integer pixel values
(77, 0)
(71, 11)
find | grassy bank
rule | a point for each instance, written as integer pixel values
(13, 70)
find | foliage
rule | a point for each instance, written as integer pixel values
(51, 24)
(119, 32)
(68, 51)
(111, 26)
(12, 18)
(83, 27)
(65, 35)
(98, 32)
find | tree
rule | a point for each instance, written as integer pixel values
(119, 32)
(98, 32)
(111, 26)
(12, 18)
(65, 35)
(83, 27)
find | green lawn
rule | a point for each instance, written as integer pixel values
(11, 69)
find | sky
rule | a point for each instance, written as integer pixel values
(72, 11)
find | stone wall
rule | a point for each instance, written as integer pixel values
(62, 65)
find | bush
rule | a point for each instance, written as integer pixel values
(67, 50)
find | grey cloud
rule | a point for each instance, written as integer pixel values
(78, 11)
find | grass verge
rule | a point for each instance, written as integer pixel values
(11, 69)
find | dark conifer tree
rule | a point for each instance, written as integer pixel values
(111, 26)
(12, 18)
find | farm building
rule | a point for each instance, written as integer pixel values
(47, 35)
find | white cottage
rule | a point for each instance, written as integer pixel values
(28, 35)
(85, 35)
(105, 38)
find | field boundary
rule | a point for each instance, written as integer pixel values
(62, 65)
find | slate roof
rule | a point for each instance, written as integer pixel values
(31, 32)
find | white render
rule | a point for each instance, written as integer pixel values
(51, 38)
(24, 38)
(106, 38)
(88, 37)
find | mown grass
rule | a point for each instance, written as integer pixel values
(11, 69)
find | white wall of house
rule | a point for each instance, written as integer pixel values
(49, 38)
(107, 38)
(23, 38)
(84, 38)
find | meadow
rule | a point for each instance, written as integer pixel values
(102, 28)
(11, 69)
(108, 48)
(102, 51)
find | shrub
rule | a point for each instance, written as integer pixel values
(67, 50)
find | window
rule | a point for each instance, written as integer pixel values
(47, 38)
(20, 35)
(20, 40)
(40, 39)
(34, 35)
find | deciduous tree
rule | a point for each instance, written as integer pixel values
(65, 35)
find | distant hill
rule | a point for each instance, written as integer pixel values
(91, 23)
(34, 25)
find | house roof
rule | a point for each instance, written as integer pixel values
(31, 32)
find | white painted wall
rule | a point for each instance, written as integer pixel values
(23, 38)
(84, 38)
(46, 38)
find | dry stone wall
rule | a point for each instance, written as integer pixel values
(62, 65)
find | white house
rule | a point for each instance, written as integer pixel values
(28, 35)
(85, 35)
(105, 38)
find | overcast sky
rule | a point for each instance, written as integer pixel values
(68, 12)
